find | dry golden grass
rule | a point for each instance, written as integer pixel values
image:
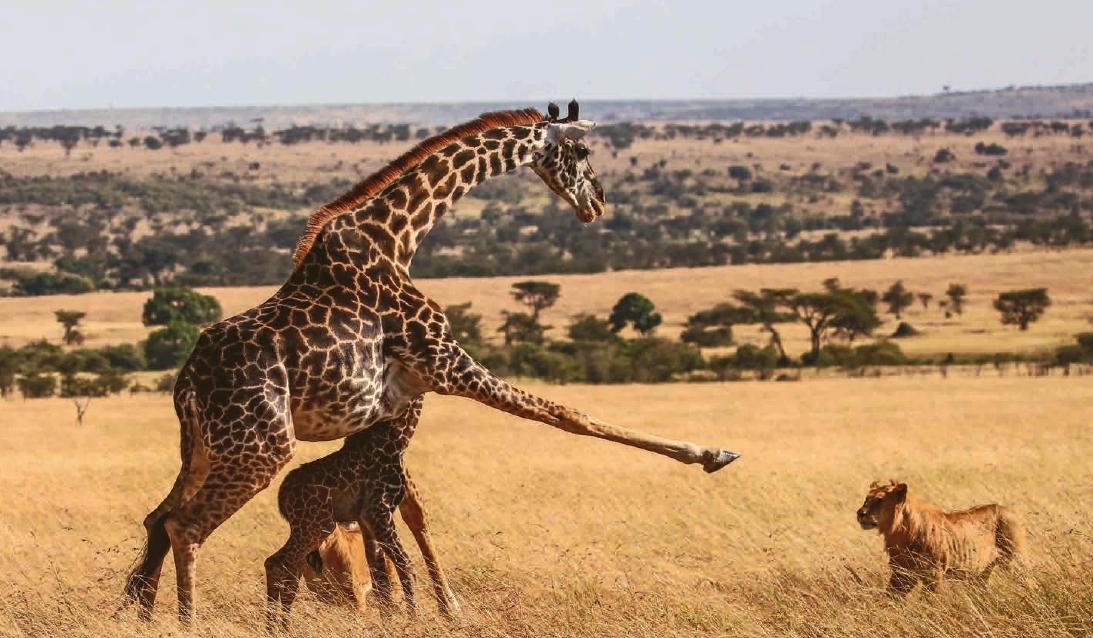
(115, 317)
(550, 534)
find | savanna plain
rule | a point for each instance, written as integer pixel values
(549, 534)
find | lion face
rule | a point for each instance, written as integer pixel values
(880, 504)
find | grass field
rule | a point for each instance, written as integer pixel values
(677, 293)
(549, 534)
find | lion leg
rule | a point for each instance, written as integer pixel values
(901, 582)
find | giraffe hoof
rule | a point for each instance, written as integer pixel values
(720, 459)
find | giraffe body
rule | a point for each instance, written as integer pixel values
(348, 341)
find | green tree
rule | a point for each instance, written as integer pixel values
(586, 327)
(520, 327)
(536, 295)
(713, 327)
(636, 310)
(36, 385)
(466, 326)
(1022, 307)
(170, 346)
(657, 360)
(898, 298)
(9, 367)
(176, 303)
(839, 309)
(767, 308)
(70, 319)
(956, 294)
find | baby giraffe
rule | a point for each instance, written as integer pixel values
(927, 544)
(363, 482)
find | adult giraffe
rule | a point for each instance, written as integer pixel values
(348, 341)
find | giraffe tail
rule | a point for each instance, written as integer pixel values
(143, 573)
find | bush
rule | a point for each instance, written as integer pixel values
(51, 283)
(166, 383)
(657, 360)
(739, 172)
(1067, 355)
(37, 386)
(124, 356)
(180, 304)
(884, 353)
(1085, 342)
(169, 347)
(530, 360)
(75, 386)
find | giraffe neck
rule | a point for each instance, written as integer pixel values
(397, 220)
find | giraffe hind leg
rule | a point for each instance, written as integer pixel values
(226, 489)
(142, 582)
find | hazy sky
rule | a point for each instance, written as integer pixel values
(198, 52)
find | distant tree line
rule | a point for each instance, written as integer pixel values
(622, 347)
(619, 135)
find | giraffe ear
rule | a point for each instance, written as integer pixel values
(569, 130)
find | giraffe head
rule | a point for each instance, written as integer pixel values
(563, 164)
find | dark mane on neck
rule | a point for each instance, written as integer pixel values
(370, 186)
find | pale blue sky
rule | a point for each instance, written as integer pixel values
(199, 52)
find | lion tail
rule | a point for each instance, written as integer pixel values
(1009, 538)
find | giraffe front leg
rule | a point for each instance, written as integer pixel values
(454, 372)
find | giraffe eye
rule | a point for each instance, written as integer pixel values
(583, 151)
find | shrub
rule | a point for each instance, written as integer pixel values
(1085, 342)
(37, 386)
(180, 304)
(739, 172)
(124, 356)
(169, 347)
(656, 360)
(51, 283)
(166, 383)
(586, 327)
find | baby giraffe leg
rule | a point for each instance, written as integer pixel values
(380, 569)
(285, 567)
(382, 525)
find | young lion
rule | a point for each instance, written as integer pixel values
(925, 543)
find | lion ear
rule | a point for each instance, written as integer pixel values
(900, 490)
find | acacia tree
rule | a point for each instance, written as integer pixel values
(520, 327)
(925, 298)
(956, 294)
(1022, 307)
(840, 310)
(766, 308)
(636, 310)
(70, 319)
(536, 295)
(466, 326)
(713, 327)
(898, 298)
